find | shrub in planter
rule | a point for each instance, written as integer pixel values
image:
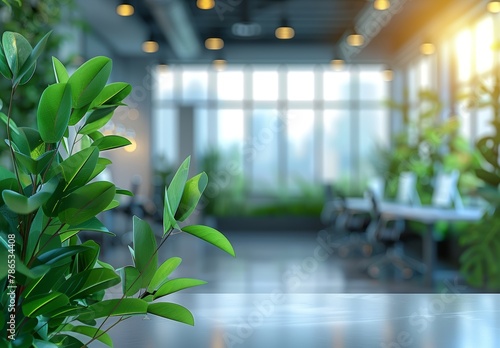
(53, 285)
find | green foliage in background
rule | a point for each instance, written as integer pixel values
(53, 288)
(426, 146)
(479, 262)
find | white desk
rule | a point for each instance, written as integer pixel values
(427, 215)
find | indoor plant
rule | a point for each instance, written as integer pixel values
(52, 284)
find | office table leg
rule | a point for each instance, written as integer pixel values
(429, 254)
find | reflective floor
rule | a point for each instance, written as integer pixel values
(293, 290)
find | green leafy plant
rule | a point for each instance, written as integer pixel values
(479, 261)
(53, 286)
(426, 145)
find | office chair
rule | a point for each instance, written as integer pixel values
(389, 232)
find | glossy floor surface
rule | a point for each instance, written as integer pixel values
(293, 290)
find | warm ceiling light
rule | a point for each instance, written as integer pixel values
(355, 40)
(214, 43)
(125, 9)
(427, 48)
(150, 46)
(219, 64)
(494, 6)
(284, 33)
(387, 75)
(381, 5)
(337, 64)
(205, 4)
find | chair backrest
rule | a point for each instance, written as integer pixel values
(445, 192)
(376, 186)
(407, 189)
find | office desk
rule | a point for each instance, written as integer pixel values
(427, 215)
(448, 319)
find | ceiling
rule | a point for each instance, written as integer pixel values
(320, 28)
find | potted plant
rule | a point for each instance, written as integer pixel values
(53, 285)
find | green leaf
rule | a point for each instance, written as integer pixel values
(86, 202)
(4, 65)
(112, 94)
(41, 304)
(89, 79)
(175, 285)
(119, 307)
(28, 68)
(17, 50)
(35, 166)
(162, 273)
(67, 341)
(211, 236)
(146, 256)
(171, 311)
(97, 119)
(77, 169)
(44, 344)
(54, 111)
(21, 204)
(102, 163)
(53, 256)
(77, 113)
(93, 224)
(111, 142)
(88, 282)
(176, 187)
(191, 196)
(87, 260)
(131, 280)
(60, 71)
(90, 332)
(36, 229)
(18, 137)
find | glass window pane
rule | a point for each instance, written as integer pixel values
(230, 85)
(300, 147)
(484, 42)
(371, 84)
(194, 84)
(463, 49)
(230, 134)
(425, 73)
(300, 85)
(165, 135)
(262, 150)
(164, 84)
(336, 85)
(373, 133)
(201, 131)
(336, 147)
(265, 85)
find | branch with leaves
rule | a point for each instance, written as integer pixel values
(52, 193)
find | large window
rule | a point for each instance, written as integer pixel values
(285, 125)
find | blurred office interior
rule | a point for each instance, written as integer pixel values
(306, 116)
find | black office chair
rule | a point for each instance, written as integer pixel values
(348, 226)
(389, 232)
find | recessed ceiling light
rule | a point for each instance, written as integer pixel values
(381, 5)
(355, 40)
(125, 9)
(337, 64)
(150, 46)
(205, 4)
(214, 43)
(284, 33)
(219, 64)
